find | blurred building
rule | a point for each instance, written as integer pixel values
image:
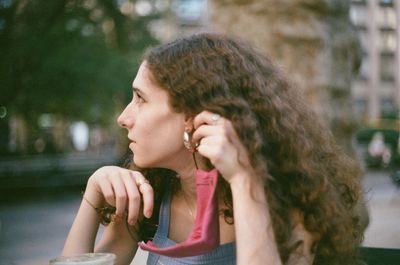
(182, 18)
(376, 90)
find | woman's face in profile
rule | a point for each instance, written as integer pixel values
(154, 129)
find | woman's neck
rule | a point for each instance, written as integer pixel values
(188, 179)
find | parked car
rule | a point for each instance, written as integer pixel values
(383, 146)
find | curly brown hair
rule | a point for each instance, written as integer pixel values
(294, 153)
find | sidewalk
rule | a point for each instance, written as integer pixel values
(383, 200)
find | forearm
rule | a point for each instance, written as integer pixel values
(83, 232)
(116, 239)
(255, 240)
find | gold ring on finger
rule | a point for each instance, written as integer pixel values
(140, 182)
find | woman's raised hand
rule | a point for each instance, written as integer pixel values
(124, 189)
(219, 142)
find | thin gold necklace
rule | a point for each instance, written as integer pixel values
(187, 205)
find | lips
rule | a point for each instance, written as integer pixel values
(130, 138)
(131, 145)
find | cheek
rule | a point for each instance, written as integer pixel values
(166, 134)
(159, 138)
(160, 128)
(159, 148)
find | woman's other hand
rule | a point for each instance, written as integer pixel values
(219, 142)
(124, 189)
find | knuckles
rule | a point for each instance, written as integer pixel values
(109, 197)
(121, 196)
(134, 198)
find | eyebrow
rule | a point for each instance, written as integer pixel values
(138, 90)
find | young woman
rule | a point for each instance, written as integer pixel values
(286, 193)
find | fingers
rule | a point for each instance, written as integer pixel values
(204, 131)
(125, 189)
(133, 198)
(212, 148)
(148, 198)
(138, 190)
(219, 142)
(144, 190)
(120, 196)
(207, 124)
(108, 192)
(206, 117)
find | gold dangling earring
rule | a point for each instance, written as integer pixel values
(187, 142)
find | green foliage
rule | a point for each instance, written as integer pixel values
(75, 59)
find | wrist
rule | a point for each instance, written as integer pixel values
(96, 201)
(245, 183)
(244, 178)
(94, 196)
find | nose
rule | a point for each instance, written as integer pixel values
(126, 119)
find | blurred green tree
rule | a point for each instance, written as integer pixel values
(72, 58)
(68, 57)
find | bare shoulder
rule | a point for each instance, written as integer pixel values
(303, 241)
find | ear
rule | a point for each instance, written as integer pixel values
(189, 124)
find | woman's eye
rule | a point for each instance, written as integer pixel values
(137, 98)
